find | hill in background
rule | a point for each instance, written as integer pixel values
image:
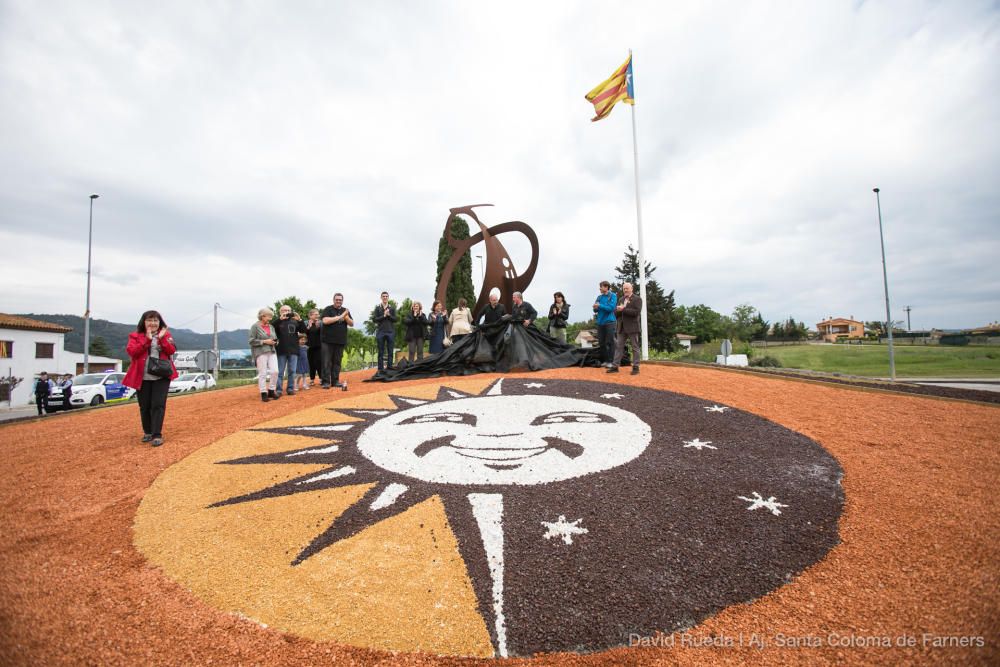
(116, 334)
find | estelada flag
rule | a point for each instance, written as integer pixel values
(616, 88)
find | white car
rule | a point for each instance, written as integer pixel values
(191, 382)
(97, 388)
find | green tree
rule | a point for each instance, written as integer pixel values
(661, 311)
(759, 327)
(405, 309)
(791, 330)
(99, 347)
(460, 286)
(743, 321)
(296, 305)
(363, 345)
(701, 322)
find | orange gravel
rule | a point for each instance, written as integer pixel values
(918, 566)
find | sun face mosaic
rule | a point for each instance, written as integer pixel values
(495, 517)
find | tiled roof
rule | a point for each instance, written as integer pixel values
(835, 320)
(27, 324)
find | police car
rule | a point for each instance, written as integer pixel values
(94, 389)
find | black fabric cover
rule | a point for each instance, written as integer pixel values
(501, 347)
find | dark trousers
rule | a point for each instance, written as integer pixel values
(633, 340)
(415, 347)
(315, 355)
(387, 345)
(152, 397)
(43, 403)
(606, 341)
(333, 354)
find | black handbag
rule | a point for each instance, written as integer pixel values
(161, 368)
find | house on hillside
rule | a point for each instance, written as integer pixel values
(833, 328)
(685, 340)
(28, 347)
(586, 338)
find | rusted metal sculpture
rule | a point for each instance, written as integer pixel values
(499, 268)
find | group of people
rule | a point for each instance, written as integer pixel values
(290, 347)
(285, 351)
(44, 386)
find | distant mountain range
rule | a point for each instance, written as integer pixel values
(116, 334)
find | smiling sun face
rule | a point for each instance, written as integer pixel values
(495, 518)
(497, 440)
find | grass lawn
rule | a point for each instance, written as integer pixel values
(873, 360)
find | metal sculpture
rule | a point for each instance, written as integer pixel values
(499, 269)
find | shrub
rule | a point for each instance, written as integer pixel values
(765, 361)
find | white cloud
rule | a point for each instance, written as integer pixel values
(248, 152)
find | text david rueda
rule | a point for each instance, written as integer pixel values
(761, 641)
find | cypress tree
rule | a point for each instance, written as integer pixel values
(461, 280)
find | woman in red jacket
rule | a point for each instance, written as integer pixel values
(150, 338)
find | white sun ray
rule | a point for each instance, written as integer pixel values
(455, 394)
(378, 413)
(339, 472)
(389, 495)
(495, 389)
(488, 510)
(325, 450)
(332, 427)
(413, 401)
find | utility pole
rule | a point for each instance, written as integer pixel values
(215, 341)
(907, 309)
(86, 314)
(885, 283)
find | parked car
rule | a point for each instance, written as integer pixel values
(93, 389)
(191, 382)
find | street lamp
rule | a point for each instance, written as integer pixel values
(885, 283)
(86, 314)
(482, 268)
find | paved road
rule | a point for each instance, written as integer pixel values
(7, 414)
(979, 384)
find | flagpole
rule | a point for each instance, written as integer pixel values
(642, 255)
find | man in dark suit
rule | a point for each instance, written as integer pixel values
(627, 311)
(385, 332)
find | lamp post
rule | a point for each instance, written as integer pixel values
(885, 283)
(482, 269)
(86, 314)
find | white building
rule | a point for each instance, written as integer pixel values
(28, 347)
(586, 338)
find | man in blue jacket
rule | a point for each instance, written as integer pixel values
(604, 313)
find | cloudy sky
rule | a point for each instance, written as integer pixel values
(244, 151)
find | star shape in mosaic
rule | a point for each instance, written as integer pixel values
(533, 385)
(698, 444)
(758, 501)
(715, 408)
(611, 395)
(564, 529)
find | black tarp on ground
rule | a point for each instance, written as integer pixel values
(496, 348)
